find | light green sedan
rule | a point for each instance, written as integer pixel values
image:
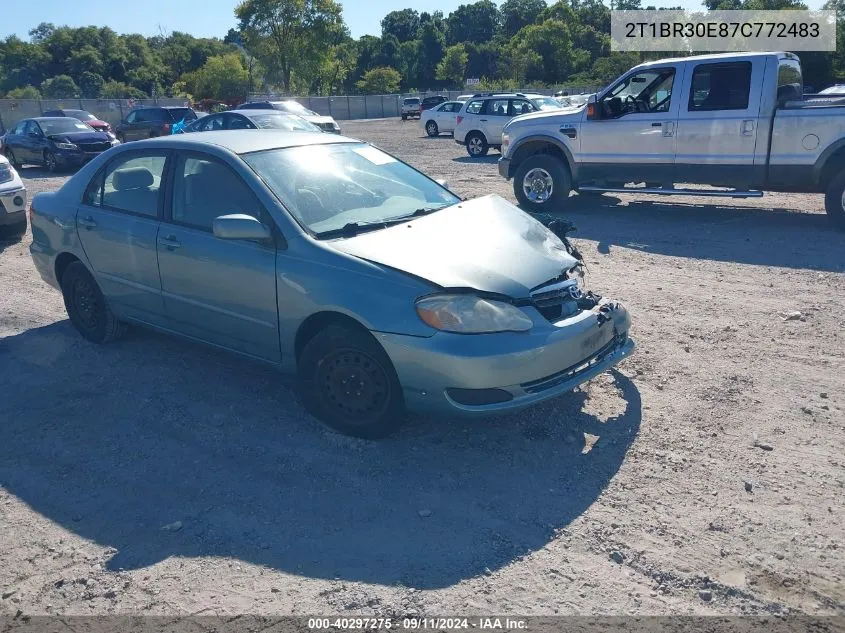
(327, 257)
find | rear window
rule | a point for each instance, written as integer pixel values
(412, 101)
(177, 114)
(720, 86)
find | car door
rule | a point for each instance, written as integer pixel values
(118, 223)
(217, 290)
(718, 123)
(35, 142)
(16, 141)
(631, 137)
(128, 129)
(446, 114)
(493, 119)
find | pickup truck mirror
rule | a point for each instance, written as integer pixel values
(592, 109)
(789, 92)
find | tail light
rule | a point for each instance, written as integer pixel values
(458, 120)
(165, 127)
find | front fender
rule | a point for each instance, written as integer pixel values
(516, 157)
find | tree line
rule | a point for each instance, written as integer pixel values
(304, 47)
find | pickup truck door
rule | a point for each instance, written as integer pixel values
(632, 136)
(718, 122)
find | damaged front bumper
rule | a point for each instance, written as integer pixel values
(12, 204)
(496, 373)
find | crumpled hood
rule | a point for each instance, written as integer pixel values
(318, 119)
(80, 137)
(487, 244)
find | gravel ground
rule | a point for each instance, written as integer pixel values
(704, 476)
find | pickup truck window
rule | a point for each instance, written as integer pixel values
(720, 87)
(643, 92)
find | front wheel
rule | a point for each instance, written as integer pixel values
(431, 128)
(348, 382)
(834, 200)
(50, 162)
(86, 306)
(542, 183)
(477, 145)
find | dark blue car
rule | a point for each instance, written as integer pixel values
(54, 142)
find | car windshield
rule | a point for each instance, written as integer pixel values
(294, 107)
(177, 114)
(82, 115)
(63, 126)
(346, 187)
(546, 103)
(279, 121)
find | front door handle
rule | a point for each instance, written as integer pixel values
(169, 242)
(485, 120)
(748, 127)
(88, 223)
(656, 124)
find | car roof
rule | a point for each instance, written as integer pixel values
(244, 141)
(49, 118)
(716, 57)
(254, 111)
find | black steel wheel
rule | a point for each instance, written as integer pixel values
(87, 307)
(348, 382)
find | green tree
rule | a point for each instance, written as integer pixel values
(483, 59)
(222, 78)
(452, 67)
(477, 22)
(287, 35)
(403, 25)
(517, 14)
(90, 84)
(118, 90)
(432, 45)
(59, 87)
(382, 80)
(551, 41)
(25, 92)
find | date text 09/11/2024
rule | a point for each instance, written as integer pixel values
(414, 623)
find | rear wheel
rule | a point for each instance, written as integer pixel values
(86, 306)
(431, 128)
(834, 200)
(348, 382)
(542, 183)
(477, 145)
(10, 154)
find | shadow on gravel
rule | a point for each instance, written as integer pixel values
(718, 231)
(115, 442)
(489, 159)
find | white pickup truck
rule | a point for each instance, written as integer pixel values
(734, 121)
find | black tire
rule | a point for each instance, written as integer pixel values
(542, 170)
(50, 162)
(328, 363)
(404, 117)
(13, 161)
(834, 200)
(87, 307)
(476, 145)
(431, 128)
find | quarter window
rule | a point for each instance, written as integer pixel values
(132, 183)
(204, 189)
(720, 87)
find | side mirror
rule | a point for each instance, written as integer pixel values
(443, 183)
(239, 226)
(592, 109)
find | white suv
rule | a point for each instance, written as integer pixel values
(480, 122)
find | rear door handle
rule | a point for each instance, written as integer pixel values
(169, 242)
(88, 223)
(485, 120)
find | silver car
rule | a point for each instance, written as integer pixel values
(327, 257)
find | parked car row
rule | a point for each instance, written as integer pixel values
(55, 142)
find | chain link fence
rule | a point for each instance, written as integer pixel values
(109, 110)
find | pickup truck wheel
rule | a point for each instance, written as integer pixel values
(348, 382)
(477, 145)
(541, 182)
(87, 307)
(834, 200)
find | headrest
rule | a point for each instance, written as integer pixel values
(132, 178)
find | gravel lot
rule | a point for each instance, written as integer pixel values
(707, 475)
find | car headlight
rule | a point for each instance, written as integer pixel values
(114, 142)
(468, 314)
(60, 145)
(506, 140)
(6, 173)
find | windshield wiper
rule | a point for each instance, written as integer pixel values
(354, 228)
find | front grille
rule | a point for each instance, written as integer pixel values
(557, 299)
(90, 148)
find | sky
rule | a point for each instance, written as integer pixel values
(209, 18)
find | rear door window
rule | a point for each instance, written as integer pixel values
(497, 107)
(474, 107)
(132, 183)
(720, 87)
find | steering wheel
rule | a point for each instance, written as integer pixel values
(633, 101)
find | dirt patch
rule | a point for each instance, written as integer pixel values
(157, 476)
